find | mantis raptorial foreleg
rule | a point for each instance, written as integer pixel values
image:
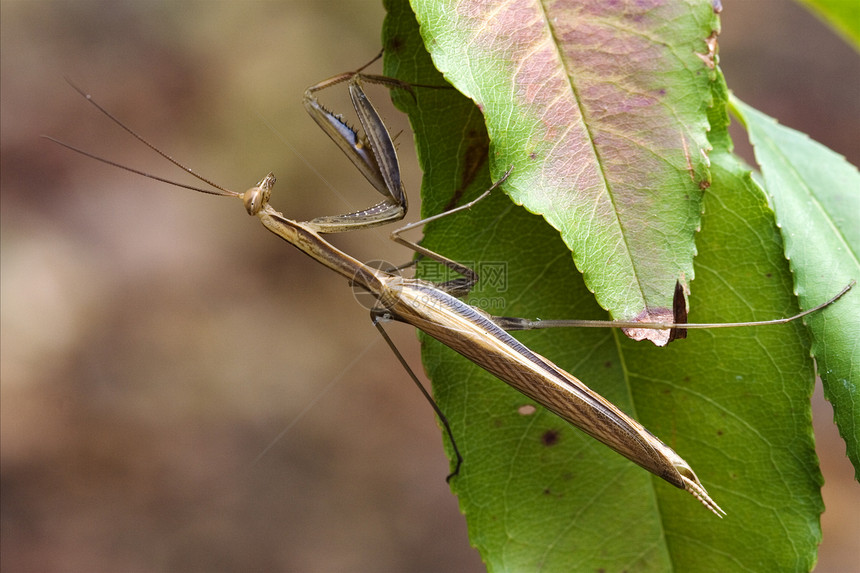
(372, 153)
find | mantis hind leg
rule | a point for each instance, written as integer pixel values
(377, 318)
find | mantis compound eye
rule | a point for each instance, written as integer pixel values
(257, 197)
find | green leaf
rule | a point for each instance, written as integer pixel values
(842, 15)
(600, 108)
(539, 494)
(816, 195)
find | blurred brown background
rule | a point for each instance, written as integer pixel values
(156, 342)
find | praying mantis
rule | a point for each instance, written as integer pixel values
(438, 308)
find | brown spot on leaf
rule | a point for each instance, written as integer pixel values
(550, 437)
(394, 45)
(710, 58)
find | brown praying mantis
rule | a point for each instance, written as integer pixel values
(437, 308)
